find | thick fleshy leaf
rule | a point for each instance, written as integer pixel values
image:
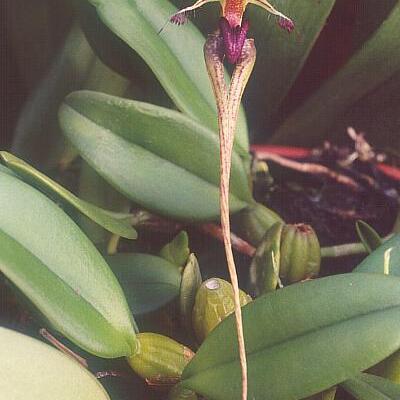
(368, 19)
(370, 387)
(298, 326)
(149, 282)
(7, 171)
(114, 222)
(280, 56)
(369, 237)
(375, 62)
(94, 189)
(45, 255)
(30, 369)
(384, 260)
(175, 55)
(157, 157)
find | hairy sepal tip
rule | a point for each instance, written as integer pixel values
(287, 24)
(179, 18)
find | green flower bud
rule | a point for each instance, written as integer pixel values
(159, 359)
(254, 221)
(288, 253)
(214, 302)
(300, 253)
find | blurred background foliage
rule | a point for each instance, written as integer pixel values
(34, 33)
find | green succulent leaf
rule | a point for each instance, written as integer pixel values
(370, 387)
(177, 251)
(30, 369)
(157, 157)
(384, 260)
(45, 255)
(117, 223)
(368, 236)
(7, 171)
(94, 189)
(149, 282)
(375, 62)
(298, 326)
(280, 57)
(369, 18)
(179, 68)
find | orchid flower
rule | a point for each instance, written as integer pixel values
(232, 27)
(231, 43)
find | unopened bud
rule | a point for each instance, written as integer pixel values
(214, 302)
(300, 253)
(287, 254)
(159, 359)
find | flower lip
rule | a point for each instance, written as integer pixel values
(233, 39)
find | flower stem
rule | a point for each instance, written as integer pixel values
(60, 346)
(228, 104)
(348, 249)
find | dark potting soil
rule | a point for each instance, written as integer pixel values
(332, 208)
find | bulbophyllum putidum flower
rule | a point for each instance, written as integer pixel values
(233, 28)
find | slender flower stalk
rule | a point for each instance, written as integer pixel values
(228, 104)
(230, 43)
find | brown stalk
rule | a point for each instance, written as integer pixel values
(228, 103)
(311, 168)
(64, 349)
(67, 351)
(238, 243)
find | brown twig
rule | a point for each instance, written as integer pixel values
(238, 243)
(64, 349)
(60, 346)
(314, 169)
